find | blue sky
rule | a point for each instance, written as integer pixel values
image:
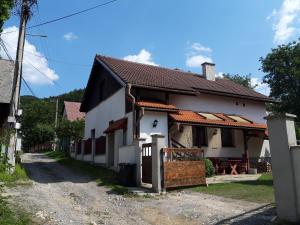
(233, 34)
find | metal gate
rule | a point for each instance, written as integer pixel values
(146, 163)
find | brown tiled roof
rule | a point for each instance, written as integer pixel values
(117, 125)
(187, 116)
(72, 111)
(170, 79)
(155, 105)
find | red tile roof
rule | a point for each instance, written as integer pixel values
(72, 111)
(176, 80)
(155, 105)
(186, 116)
(117, 125)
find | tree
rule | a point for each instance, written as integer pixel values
(70, 129)
(244, 80)
(282, 68)
(5, 10)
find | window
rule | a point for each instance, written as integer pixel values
(227, 137)
(199, 136)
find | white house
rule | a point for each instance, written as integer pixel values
(126, 101)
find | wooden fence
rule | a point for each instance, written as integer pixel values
(183, 167)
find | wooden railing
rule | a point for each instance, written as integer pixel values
(183, 154)
(176, 144)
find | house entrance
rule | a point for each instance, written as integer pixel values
(146, 163)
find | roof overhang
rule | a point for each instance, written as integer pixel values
(221, 120)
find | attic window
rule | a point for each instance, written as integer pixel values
(239, 119)
(209, 116)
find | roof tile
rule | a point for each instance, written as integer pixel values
(174, 79)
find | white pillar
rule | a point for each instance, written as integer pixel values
(158, 142)
(138, 155)
(118, 142)
(282, 137)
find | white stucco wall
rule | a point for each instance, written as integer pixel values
(101, 159)
(211, 103)
(147, 129)
(127, 154)
(113, 108)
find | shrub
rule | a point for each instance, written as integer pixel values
(209, 168)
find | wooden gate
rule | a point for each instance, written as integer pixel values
(146, 163)
(183, 167)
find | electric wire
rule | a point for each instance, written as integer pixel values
(68, 16)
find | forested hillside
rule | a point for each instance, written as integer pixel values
(39, 116)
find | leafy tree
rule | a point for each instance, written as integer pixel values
(70, 129)
(5, 10)
(244, 80)
(42, 111)
(282, 68)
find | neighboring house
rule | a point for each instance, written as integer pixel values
(126, 101)
(6, 83)
(71, 112)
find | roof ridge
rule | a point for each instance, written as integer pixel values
(161, 67)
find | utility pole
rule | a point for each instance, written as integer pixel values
(15, 98)
(55, 125)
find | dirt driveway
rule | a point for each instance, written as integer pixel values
(60, 196)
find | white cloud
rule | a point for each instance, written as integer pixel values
(260, 87)
(197, 54)
(200, 48)
(142, 57)
(70, 36)
(32, 57)
(197, 60)
(286, 21)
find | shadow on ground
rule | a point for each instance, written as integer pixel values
(262, 215)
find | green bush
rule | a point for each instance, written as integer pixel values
(209, 168)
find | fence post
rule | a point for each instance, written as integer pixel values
(282, 139)
(93, 149)
(82, 149)
(138, 154)
(158, 142)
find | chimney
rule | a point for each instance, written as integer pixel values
(208, 70)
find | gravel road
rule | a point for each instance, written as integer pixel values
(60, 196)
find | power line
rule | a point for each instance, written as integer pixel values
(28, 87)
(67, 16)
(45, 75)
(11, 60)
(50, 59)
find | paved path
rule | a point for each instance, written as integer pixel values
(60, 196)
(232, 178)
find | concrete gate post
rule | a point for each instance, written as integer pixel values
(93, 149)
(138, 158)
(158, 142)
(82, 149)
(285, 166)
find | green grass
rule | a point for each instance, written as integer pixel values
(12, 179)
(260, 191)
(10, 215)
(103, 176)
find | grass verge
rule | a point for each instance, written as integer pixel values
(103, 176)
(260, 190)
(11, 179)
(10, 215)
